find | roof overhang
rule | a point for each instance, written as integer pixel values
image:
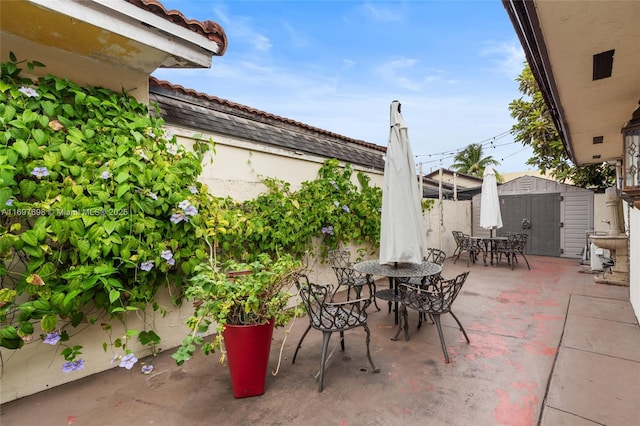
(118, 32)
(560, 39)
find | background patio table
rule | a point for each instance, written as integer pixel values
(488, 245)
(400, 270)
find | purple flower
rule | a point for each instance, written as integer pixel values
(52, 338)
(193, 189)
(166, 255)
(146, 266)
(184, 204)
(336, 203)
(191, 211)
(9, 202)
(29, 91)
(40, 172)
(327, 230)
(128, 361)
(146, 369)
(177, 217)
(153, 195)
(335, 185)
(105, 175)
(171, 262)
(70, 366)
(172, 149)
(346, 209)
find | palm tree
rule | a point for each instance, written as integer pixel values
(471, 161)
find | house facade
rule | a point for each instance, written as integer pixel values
(585, 58)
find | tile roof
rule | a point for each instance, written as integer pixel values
(193, 109)
(208, 29)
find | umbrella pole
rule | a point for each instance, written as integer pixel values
(395, 294)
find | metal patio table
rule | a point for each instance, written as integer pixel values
(400, 270)
(489, 245)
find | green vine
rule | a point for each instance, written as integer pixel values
(100, 208)
(331, 208)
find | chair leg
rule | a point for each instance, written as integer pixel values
(342, 340)
(525, 259)
(404, 318)
(436, 318)
(300, 344)
(326, 335)
(368, 339)
(455, 255)
(372, 294)
(460, 325)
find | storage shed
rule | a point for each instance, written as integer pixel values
(555, 216)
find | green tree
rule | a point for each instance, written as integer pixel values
(535, 128)
(472, 161)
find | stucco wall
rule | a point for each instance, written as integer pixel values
(444, 217)
(634, 255)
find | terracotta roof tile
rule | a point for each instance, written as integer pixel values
(259, 114)
(208, 29)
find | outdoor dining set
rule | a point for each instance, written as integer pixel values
(419, 287)
(510, 246)
(413, 270)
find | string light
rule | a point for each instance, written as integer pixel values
(489, 142)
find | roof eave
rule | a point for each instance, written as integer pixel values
(525, 21)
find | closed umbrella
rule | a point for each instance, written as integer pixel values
(490, 217)
(402, 236)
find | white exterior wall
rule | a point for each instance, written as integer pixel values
(634, 255)
(238, 166)
(444, 217)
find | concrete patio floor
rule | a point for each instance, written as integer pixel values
(548, 346)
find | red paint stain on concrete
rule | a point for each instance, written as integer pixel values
(522, 385)
(543, 317)
(487, 346)
(539, 348)
(516, 413)
(520, 296)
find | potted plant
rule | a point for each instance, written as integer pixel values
(245, 301)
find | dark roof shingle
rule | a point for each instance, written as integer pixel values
(197, 110)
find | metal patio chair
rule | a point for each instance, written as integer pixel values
(330, 317)
(514, 246)
(464, 243)
(340, 261)
(435, 299)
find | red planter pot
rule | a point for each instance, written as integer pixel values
(248, 348)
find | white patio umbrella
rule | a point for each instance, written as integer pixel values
(402, 236)
(490, 217)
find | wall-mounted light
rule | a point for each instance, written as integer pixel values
(631, 159)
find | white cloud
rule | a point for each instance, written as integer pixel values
(508, 57)
(383, 14)
(240, 29)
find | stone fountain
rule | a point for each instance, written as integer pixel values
(616, 241)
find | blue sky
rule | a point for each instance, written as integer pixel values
(337, 65)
